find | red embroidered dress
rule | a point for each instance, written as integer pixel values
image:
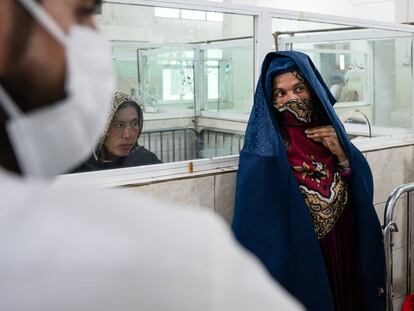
(324, 185)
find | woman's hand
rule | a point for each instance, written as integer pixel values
(326, 135)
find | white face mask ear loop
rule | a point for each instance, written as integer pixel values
(45, 20)
(8, 104)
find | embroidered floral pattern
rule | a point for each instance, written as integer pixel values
(317, 171)
(325, 211)
(301, 109)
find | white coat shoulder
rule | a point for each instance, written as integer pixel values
(82, 249)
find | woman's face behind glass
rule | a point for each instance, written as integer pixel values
(123, 132)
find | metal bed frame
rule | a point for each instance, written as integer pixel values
(389, 228)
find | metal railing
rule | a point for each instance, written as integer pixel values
(390, 226)
(171, 145)
(180, 144)
(216, 143)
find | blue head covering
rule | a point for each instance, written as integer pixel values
(271, 218)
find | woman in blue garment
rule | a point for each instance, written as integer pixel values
(304, 193)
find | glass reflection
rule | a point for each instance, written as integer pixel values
(188, 70)
(367, 70)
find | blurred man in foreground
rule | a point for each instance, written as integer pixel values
(75, 249)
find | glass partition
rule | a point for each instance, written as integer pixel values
(182, 65)
(192, 71)
(369, 71)
(228, 81)
(166, 79)
(171, 58)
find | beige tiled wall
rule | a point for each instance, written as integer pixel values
(400, 270)
(214, 192)
(225, 189)
(392, 168)
(194, 192)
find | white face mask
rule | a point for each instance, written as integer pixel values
(54, 139)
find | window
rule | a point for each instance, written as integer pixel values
(214, 17)
(229, 83)
(196, 15)
(166, 12)
(181, 68)
(189, 14)
(192, 72)
(367, 70)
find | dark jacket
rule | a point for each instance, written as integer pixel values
(271, 218)
(140, 156)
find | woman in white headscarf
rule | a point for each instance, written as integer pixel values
(118, 146)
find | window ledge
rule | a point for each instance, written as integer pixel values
(149, 174)
(383, 142)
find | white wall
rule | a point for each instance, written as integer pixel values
(382, 10)
(404, 11)
(139, 23)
